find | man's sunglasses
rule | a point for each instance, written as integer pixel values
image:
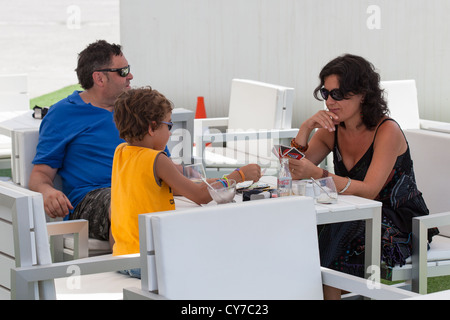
(123, 72)
(336, 94)
(169, 124)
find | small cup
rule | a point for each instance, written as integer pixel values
(325, 190)
(299, 187)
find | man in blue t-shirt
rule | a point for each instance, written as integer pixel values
(77, 140)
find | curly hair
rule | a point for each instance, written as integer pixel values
(97, 55)
(137, 109)
(357, 76)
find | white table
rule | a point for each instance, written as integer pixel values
(348, 208)
(14, 120)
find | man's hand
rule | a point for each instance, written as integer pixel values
(56, 204)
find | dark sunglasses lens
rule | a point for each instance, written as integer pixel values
(170, 126)
(324, 93)
(336, 95)
(124, 71)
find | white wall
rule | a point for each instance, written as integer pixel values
(190, 48)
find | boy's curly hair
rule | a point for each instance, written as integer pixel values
(137, 109)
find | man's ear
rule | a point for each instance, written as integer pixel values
(99, 78)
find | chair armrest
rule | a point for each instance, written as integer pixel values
(433, 220)
(79, 228)
(211, 122)
(257, 134)
(22, 278)
(274, 134)
(432, 125)
(140, 294)
(419, 241)
(363, 287)
(206, 125)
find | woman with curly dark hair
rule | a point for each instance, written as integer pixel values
(371, 160)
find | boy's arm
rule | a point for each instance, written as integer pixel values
(167, 171)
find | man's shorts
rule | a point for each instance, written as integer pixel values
(95, 208)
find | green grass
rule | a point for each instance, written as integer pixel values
(438, 284)
(434, 284)
(5, 173)
(48, 99)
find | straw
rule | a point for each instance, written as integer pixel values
(204, 180)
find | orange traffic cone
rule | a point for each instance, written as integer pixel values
(200, 112)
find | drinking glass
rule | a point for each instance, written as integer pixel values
(194, 172)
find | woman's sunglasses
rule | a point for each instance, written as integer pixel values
(336, 94)
(123, 72)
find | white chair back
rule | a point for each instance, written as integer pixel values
(258, 105)
(401, 96)
(429, 151)
(24, 144)
(251, 250)
(24, 237)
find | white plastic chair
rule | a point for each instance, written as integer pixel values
(264, 249)
(260, 115)
(429, 152)
(24, 142)
(25, 251)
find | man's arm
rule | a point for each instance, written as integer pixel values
(56, 204)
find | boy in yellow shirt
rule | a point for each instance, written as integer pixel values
(143, 177)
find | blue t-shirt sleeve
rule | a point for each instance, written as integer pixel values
(166, 150)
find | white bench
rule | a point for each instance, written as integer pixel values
(265, 249)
